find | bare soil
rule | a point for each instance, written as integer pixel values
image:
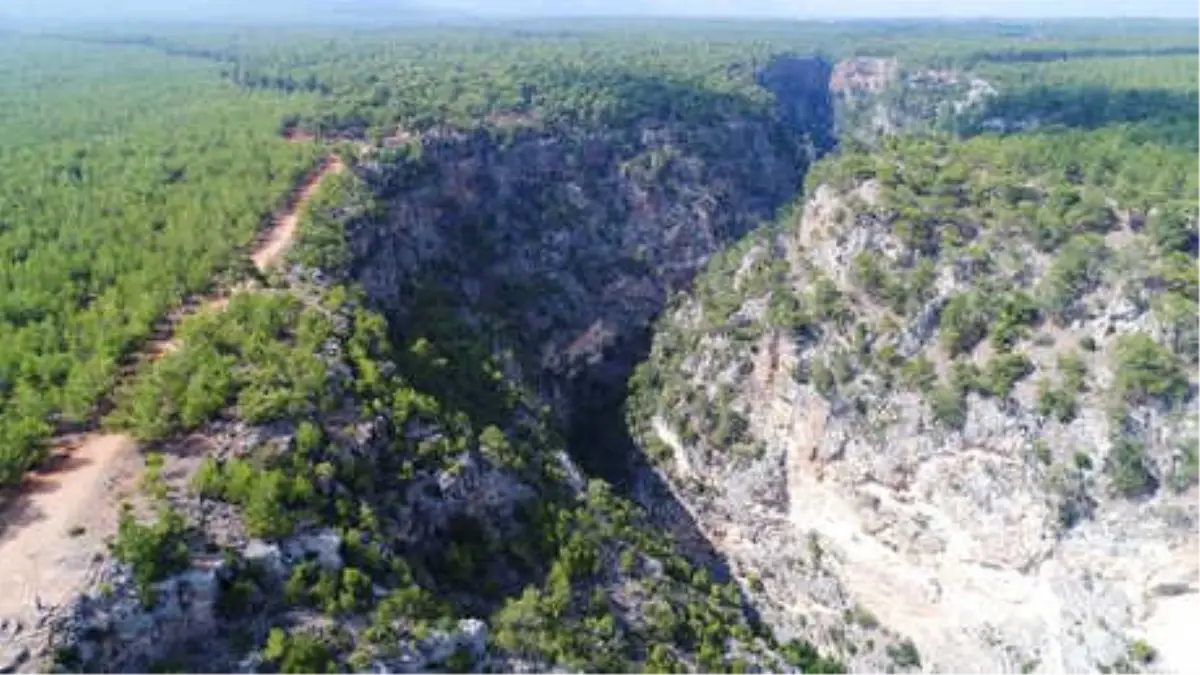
(283, 230)
(57, 523)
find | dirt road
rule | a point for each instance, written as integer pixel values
(281, 234)
(54, 527)
(53, 530)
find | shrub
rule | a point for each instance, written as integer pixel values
(842, 367)
(805, 657)
(863, 617)
(1142, 652)
(270, 498)
(1056, 403)
(1076, 270)
(1016, 311)
(1177, 316)
(907, 296)
(827, 300)
(298, 653)
(964, 322)
(1042, 452)
(663, 662)
(208, 481)
(904, 654)
(919, 373)
(1073, 370)
(730, 428)
(1146, 370)
(821, 377)
(310, 585)
(1178, 274)
(787, 312)
(867, 272)
(965, 377)
(154, 552)
(1172, 230)
(1128, 469)
(1004, 371)
(949, 407)
(1187, 466)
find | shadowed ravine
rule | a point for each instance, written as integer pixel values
(481, 220)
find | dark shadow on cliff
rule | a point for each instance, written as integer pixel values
(597, 434)
(1151, 115)
(800, 86)
(580, 322)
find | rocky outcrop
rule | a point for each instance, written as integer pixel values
(116, 631)
(852, 515)
(876, 96)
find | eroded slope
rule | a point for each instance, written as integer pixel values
(957, 390)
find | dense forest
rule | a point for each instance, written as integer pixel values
(1153, 98)
(138, 166)
(130, 181)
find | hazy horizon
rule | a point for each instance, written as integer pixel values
(301, 10)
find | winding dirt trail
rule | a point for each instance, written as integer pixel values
(283, 231)
(53, 530)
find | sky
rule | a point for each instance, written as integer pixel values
(796, 9)
(802, 9)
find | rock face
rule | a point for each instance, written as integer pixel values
(844, 505)
(567, 242)
(114, 627)
(875, 97)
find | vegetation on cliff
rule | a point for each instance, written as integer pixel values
(555, 583)
(946, 331)
(1029, 225)
(404, 414)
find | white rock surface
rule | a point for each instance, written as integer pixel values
(951, 538)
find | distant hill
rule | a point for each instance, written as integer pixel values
(29, 14)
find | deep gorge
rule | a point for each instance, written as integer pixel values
(564, 244)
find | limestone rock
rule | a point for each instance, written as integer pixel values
(997, 547)
(324, 546)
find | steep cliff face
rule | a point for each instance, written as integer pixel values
(875, 97)
(929, 418)
(562, 245)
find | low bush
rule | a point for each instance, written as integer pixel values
(965, 321)
(1147, 371)
(1056, 403)
(1078, 269)
(920, 374)
(298, 653)
(1004, 371)
(154, 552)
(1129, 469)
(949, 406)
